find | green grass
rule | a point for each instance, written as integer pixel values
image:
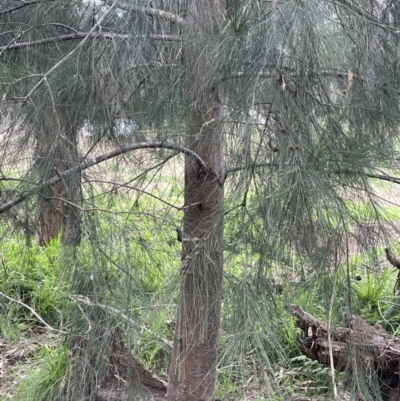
(44, 377)
(30, 275)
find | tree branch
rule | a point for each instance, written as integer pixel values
(32, 311)
(25, 4)
(151, 11)
(249, 166)
(73, 51)
(117, 186)
(83, 35)
(92, 162)
(383, 177)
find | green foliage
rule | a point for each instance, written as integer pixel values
(310, 113)
(31, 275)
(373, 293)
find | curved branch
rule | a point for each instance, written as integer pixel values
(92, 162)
(33, 312)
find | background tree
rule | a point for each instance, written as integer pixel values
(289, 107)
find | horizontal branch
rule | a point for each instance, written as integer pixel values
(383, 177)
(83, 35)
(41, 42)
(25, 4)
(290, 73)
(166, 15)
(250, 166)
(92, 162)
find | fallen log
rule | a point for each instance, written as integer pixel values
(357, 347)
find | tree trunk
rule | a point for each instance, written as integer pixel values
(56, 151)
(192, 372)
(195, 350)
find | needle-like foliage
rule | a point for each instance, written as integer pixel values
(287, 114)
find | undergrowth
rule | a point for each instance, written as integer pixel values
(138, 276)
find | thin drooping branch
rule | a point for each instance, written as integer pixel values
(384, 178)
(92, 162)
(141, 191)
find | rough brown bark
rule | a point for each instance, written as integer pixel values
(56, 151)
(194, 358)
(193, 364)
(358, 343)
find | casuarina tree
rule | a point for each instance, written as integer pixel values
(283, 111)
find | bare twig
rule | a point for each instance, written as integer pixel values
(32, 311)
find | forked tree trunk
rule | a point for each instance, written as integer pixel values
(56, 151)
(194, 358)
